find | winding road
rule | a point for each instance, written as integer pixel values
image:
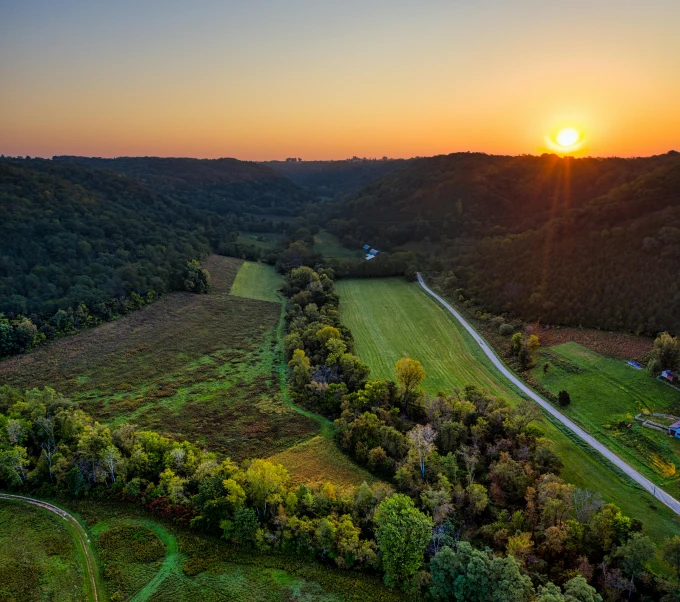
(91, 565)
(658, 493)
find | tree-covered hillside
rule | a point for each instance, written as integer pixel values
(71, 235)
(335, 179)
(587, 242)
(220, 185)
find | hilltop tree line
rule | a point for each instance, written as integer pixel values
(588, 242)
(479, 469)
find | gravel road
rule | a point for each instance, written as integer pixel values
(658, 493)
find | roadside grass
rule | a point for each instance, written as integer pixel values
(329, 246)
(319, 460)
(38, 557)
(206, 568)
(391, 318)
(257, 281)
(606, 394)
(200, 367)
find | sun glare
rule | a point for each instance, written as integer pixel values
(568, 137)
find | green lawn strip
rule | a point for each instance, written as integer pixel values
(257, 281)
(329, 246)
(390, 318)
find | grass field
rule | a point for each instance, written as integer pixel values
(257, 281)
(38, 557)
(262, 240)
(200, 367)
(390, 318)
(319, 460)
(145, 559)
(329, 246)
(606, 394)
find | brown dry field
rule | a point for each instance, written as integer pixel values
(201, 367)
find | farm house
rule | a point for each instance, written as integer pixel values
(669, 376)
(674, 429)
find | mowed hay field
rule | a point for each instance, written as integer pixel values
(257, 281)
(38, 557)
(391, 318)
(200, 367)
(606, 394)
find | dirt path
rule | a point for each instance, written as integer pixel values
(83, 539)
(658, 493)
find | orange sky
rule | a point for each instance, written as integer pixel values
(266, 80)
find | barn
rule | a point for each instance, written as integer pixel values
(674, 429)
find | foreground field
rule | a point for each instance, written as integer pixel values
(257, 281)
(390, 318)
(38, 556)
(148, 559)
(606, 395)
(200, 367)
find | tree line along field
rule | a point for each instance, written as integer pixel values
(201, 367)
(390, 318)
(606, 395)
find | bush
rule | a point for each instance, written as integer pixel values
(506, 329)
(563, 398)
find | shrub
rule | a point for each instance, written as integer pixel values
(506, 329)
(563, 398)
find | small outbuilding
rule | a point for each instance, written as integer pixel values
(669, 376)
(674, 429)
(367, 247)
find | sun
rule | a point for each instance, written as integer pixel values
(568, 137)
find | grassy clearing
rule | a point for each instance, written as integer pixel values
(606, 394)
(329, 246)
(319, 460)
(391, 318)
(200, 367)
(178, 564)
(257, 281)
(262, 240)
(38, 557)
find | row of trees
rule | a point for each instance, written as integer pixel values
(477, 467)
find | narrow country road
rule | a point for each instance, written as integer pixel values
(91, 565)
(658, 493)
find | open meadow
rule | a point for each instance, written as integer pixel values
(38, 557)
(200, 367)
(143, 559)
(606, 394)
(391, 318)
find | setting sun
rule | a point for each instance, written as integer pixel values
(568, 137)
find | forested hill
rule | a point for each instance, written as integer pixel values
(71, 234)
(592, 242)
(220, 185)
(333, 180)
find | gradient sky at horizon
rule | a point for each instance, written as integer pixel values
(321, 80)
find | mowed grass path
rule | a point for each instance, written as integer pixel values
(257, 281)
(391, 318)
(606, 395)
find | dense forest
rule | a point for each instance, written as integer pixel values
(333, 180)
(589, 242)
(224, 186)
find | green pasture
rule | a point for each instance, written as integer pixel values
(606, 394)
(391, 318)
(265, 241)
(257, 281)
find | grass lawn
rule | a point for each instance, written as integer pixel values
(391, 318)
(38, 556)
(145, 558)
(200, 367)
(329, 246)
(257, 281)
(606, 394)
